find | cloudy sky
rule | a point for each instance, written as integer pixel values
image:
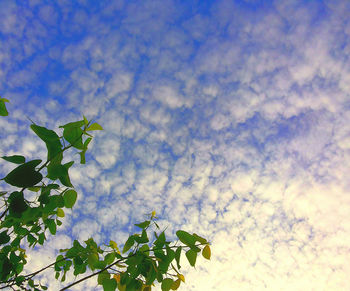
(229, 118)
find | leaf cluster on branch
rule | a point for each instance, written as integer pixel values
(146, 258)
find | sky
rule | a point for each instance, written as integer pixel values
(230, 119)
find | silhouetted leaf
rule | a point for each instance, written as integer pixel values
(24, 175)
(17, 159)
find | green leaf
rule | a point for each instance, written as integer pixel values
(4, 238)
(143, 239)
(60, 212)
(206, 252)
(86, 122)
(57, 171)
(24, 175)
(144, 224)
(94, 126)
(50, 138)
(70, 197)
(17, 204)
(75, 124)
(109, 285)
(200, 239)
(128, 244)
(31, 239)
(160, 241)
(103, 276)
(41, 238)
(74, 135)
(3, 110)
(191, 257)
(166, 284)
(17, 159)
(65, 180)
(50, 223)
(92, 260)
(186, 238)
(177, 256)
(100, 265)
(109, 258)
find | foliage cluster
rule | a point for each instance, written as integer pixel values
(27, 222)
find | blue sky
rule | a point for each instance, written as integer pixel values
(229, 118)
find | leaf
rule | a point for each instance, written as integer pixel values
(86, 122)
(160, 241)
(176, 284)
(206, 252)
(50, 138)
(109, 258)
(143, 225)
(109, 285)
(3, 110)
(17, 204)
(181, 277)
(4, 238)
(74, 135)
(60, 212)
(17, 159)
(24, 175)
(113, 244)
(50, 223)
(94, 126)
(70, 197)
(166, 284)
(143, 239)
(75, 124)
(191, 257)
(177, 256)
(103, 276)
(65, 180)
(92, 260)
(200, 239)
(128, 244)
(186, 238)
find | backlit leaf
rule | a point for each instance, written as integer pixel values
(70, 197)
(200, 239)
(166, 284)
(177, 256)
(102, 276)
(186, 238)
(3, 110)
(191, 257)
(74, 135)
(50, 138)
(143, 225)
(109, 285)
(176, 284)
(50, 223)
(94, 126)
(181, 277)
(60, 212)
(128, 244)
(109, 258)
(206, 252)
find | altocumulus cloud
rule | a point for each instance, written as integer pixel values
(229, 118)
